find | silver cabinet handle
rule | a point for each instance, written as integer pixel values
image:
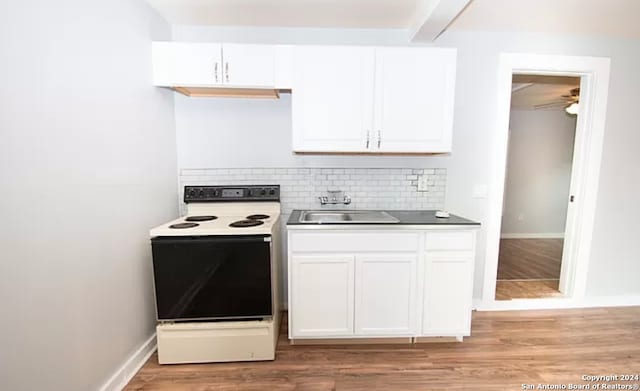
(379, 138)
(215, 71)
(367, 144)
(226, 71)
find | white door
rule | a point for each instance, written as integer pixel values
(332, 99)
(197, 64)
(448, 292)
(322, 296)
(385, 294)
(248, 65)
(414, 99)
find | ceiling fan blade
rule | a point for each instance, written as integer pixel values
(519, 87)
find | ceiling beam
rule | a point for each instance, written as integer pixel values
(433, 17)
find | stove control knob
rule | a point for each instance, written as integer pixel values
(272, 192)
(192, 193)
(263, 192)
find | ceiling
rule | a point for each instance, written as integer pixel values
(617, 18)
(534, 92)
(592, 17)
(289, 13)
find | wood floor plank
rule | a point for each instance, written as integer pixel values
(505, 350)
(526, 289)
(529, 268)
(522, 259)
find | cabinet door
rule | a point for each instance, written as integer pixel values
(414, 99)
(163, 64)
(197, 64)
(322, 296)
(448, 293)
(248, 65)
(385, 294)
(332, 99)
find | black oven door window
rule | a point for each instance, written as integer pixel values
(212, 277)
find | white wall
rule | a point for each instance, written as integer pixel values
(475, 121)
(474, 124)
(87, 166)
(538, 172)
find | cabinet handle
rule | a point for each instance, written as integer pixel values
(379, 138)
(367, 144)
(215, 71)
(226, 71)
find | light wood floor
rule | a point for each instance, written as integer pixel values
(528, 259)
(526, 289)
(505, 350)
(529, 268)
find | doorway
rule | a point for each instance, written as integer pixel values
(590, 125)
(540, 148)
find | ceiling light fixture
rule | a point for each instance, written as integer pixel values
(572, 108)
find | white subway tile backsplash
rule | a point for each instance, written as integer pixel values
(369, 188)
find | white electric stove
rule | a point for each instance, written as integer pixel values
(216, 276)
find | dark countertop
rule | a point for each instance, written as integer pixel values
(406, 217)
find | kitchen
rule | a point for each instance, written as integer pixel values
(91, 150)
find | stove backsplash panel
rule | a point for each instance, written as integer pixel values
(369, 188)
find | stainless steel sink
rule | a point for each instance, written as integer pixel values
(346, 217)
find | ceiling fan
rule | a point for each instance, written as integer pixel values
(568, 101)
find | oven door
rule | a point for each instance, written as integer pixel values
(212, 277)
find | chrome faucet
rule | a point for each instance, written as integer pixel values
(334, 199)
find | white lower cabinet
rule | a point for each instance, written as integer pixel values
(385, 294)
(323, 300)
(447, 297)
(354, 284)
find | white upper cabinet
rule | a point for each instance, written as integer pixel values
(248, 65)
(332, 99)
(197, 64)
(186, 64)
(378, 100)
(346, 99)
(414, 93)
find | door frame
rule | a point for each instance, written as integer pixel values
(594, 86)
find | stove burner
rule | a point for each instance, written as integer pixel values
(257, 217)
(183, 225)
(246, 223)
(200, 218)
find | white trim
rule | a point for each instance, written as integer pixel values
(540, 235)
(594, 73)
(131, 366)
(558, 303)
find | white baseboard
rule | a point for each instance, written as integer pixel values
(542, 235)
(131, 366)
(556, 303)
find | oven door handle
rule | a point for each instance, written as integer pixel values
(211, 239)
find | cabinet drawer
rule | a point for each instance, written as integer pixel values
(353, 242)
(450, 240)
